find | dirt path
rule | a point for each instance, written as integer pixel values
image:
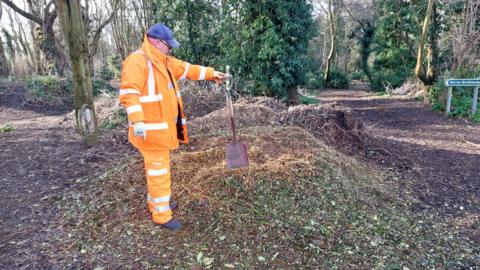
(40, 160)
(444, 152)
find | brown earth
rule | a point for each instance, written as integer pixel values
(436, 156)
(43, 159)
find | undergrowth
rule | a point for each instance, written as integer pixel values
(308, 100)
(7, 128)
(55, 91)
(462, 98)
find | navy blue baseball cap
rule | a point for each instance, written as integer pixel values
(162, 32)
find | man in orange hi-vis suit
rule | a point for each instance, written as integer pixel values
(151, 97)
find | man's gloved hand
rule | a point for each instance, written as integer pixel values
(140, 130)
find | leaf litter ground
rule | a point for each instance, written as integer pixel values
(300, 203)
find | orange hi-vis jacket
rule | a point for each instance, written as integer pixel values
(149, 93)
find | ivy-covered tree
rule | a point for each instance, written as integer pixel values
(273, 46)
(396, 36)
(72, 25)
(196, 26)
(428, 38)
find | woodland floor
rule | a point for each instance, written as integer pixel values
(42, 158)
(40, 161)
(443, 154)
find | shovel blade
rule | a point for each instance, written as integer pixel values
(237, 155)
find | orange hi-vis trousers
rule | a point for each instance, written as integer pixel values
(157, 170)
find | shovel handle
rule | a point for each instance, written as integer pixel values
(230, 104)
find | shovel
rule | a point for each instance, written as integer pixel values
(236, 152)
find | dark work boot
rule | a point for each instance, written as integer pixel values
(173, 224)
(173, 205)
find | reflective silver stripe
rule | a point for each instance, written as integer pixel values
(128, 91)
(178, 94)
(157, 172)
(151, 79)
(184, 121)
(159, 199)
(184, 75)
(203, 72)
(151, 98)
(170, 85)
(134, 108)
(162, 208)
(156, 126)
(138, 52)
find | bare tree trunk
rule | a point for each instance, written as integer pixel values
(333, 33)
(324, 49)
(52, 52)
(36, 30)
(126, 36)
(466, 37)
(96, 34)
(73, 29)
(420, 69)
(4, 68)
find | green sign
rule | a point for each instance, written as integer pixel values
(462, 82)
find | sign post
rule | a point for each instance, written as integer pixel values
(449, 100)
(462, 83)
(474, 102)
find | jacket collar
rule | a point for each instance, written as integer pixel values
(153, 53)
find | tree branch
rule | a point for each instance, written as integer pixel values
(47, 7)
(96, 37)
(22, 12)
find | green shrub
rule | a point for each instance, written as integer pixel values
(461, 97)
(383, 79)
(307, 100)
(437, 95)
(49, 91)
(111, 68)
(338, 80)
(314, 80)
(118, 118)
(7, 128)
(476, 117)
(461, 105)
(358, 75)
(54, 91)
(49, 84)
(100, 85)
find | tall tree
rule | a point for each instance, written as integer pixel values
(273, 46)
(396, 33)
(127, 33)
(427, 76)
(362, 14)
(95, 23)
(332, 22)
(48, 44)
(465, 35)
(73, 28)
(4, 68)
